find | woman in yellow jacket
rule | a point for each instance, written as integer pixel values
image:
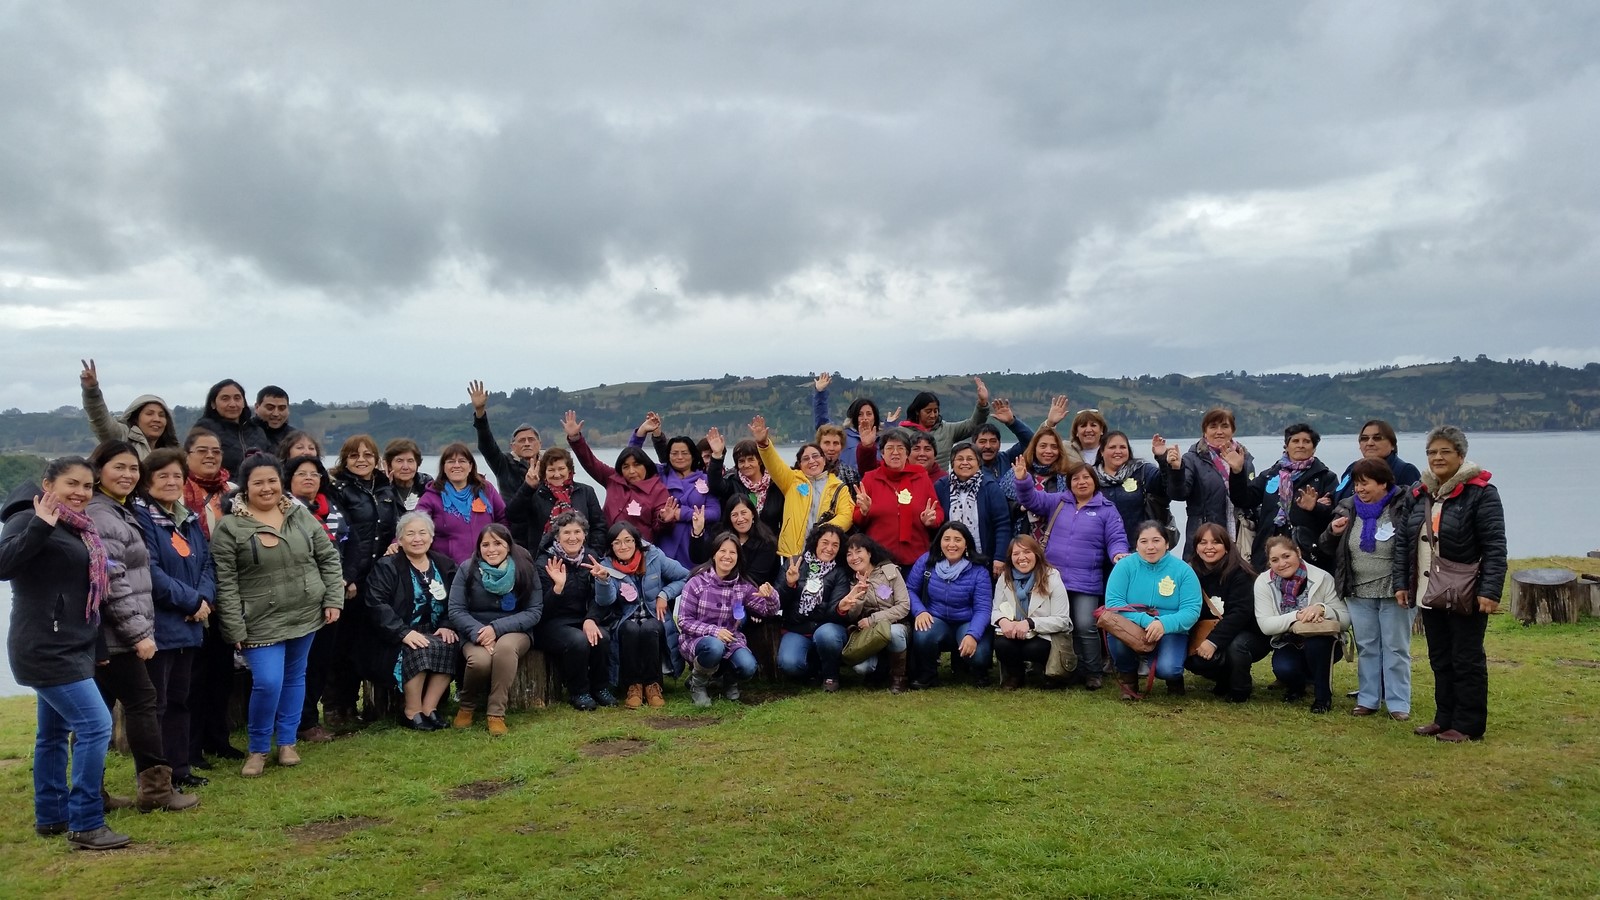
(811, 494)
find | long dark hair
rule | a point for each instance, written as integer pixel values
(853, 413)
(760, 534)
(877, 554)
(526, 577)
(1231, 562)
(474, 478)
(211, 398)
(106, 451)
(696, 464)
(936, 553)
(726, 537)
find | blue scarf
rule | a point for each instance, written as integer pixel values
(950, 571)
(457, 503)
(1369, 513)
(499, 580)
(1023, 585)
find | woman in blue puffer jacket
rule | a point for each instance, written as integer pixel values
(952, 594)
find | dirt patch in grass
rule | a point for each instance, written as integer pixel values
(332, 829)
(8, 763)
(529, 828)
(1580, 663)
(757, 698)
(1508, 663)
(677, 723)
(614, 747)
(480, 790)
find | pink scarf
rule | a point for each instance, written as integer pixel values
(758, 489)
(99, 580)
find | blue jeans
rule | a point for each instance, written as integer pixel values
(1313, 662)
(1085, 633)
(1171, 652)
(65, 709)
(944, 635)
(898, 641)
(1383, 652)
(708, 653)
(277, 690)
(813, 655)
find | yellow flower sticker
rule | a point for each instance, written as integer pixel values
(904, 497)
(1129, 485)
(1166, 586)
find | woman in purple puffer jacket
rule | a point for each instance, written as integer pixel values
(1083, 537)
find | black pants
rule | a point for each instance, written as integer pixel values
(171, 671)
(1460, 670)
(1230, 666)
(1013, 653)
(639, 638)
(209, 694)
(318, 663)
(583, 668)
(342, 688)
(126, 679)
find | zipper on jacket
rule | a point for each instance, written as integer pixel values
(61, 606)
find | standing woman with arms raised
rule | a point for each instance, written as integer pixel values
(184, 589)
(129, 627)
(634, 492)
(1455, 517)
(1199, 478)
(228, 417)
(924, 412)
(686, 483)
(278, 581)
(750, 478)
(461, 503)
(56, 563)
(146, 423)
(812, 495)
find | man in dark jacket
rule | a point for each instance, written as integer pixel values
(509, 471)
(272, 413)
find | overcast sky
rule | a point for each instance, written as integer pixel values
(363, 200)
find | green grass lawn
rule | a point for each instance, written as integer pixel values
(954, 792)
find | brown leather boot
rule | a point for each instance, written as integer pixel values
(156, 792)
(898, 683)
(497, 725)
(111, 801)
(652, 695)
(635, 698)
(1010, 679)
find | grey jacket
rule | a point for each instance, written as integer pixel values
(106, 428)
(129, 611)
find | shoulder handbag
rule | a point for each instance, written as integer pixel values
(865, 643)
(1063, 657)
(1112, 623)
(1325, 628)
(1451, 586)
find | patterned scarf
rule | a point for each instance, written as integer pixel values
(1287, 469)
(563, 494)
(1109, 480)
(457, 501)
(1369, 513)
(320, 507)
(811, 588)
(1289, 589)
(199, 491)
(757, 489)
(99, 577)
(964, 503)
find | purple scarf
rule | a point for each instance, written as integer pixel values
(1368, 513)
(1287, 469)
(99, 580)
(1217, 462)
(1289, 589)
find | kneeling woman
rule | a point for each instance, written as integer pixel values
(878, 595)
(577, 589)
(1233, 642)
(717, 596)
(1294, 593)
(650, 583)
(413, 644)
(951, 598)
(1158, 592)
(1031, 612)
(278, 581)
(495, 603)
(813, 632)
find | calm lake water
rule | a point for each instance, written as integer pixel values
(1550, 496)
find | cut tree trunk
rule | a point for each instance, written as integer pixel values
(1544, 596)
(537, 684)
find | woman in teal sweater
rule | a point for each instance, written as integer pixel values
(1157, 591)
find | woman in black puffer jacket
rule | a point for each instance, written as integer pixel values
(1466, 515)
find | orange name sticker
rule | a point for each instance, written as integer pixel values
(478, 505)
(180, 545)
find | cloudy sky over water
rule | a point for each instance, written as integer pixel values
(362, 200)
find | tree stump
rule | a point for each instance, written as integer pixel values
(1592, 582)
(537, 685)
(1544, 596)
(763, 638)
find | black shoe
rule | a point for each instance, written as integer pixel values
(604, 697)
(1321, 706)
(436, 720)
(1294, 696)
(202, 763)
(982, 680)
(918, 685)
(228, 751)
(418, 722)
(1176, 688)
(584, 703)
(1236, 697)
(191, 781)
(50, 830)
(101, 838)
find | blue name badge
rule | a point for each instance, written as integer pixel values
(1272, 485)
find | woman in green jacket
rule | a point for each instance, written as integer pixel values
(278, 581)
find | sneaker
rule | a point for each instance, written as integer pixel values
(584, 703)
(101, 838)
(604, 697)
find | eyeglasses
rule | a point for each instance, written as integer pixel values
(204, 452)
(1371, 438)
(362, 454)
(812, 457)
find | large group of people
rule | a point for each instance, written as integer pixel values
(145, 572)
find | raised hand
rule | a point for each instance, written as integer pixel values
(651, 423)
(599, 572)
(983, 391)
(1019, 468)
(44, 506)
(532, 478)
(480, 397)
(1000, 410)
(714, 439)
(1307, 498)
(894, 417)
(758, 430)
(571, 425)
(1058, 410)
(793, 575)
(930, 513)
(1233, 455)
(697, 520)
(868, 434)
(864, 502)
(89, 378)
(1174, 457)
(822, 381)
(557, 572)
(1158, 446)
(670, 511)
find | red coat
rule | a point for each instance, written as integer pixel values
(895, 519)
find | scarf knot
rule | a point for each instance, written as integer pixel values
(1369, 513)
(499, 580)
(1290, 589)
(456, 501)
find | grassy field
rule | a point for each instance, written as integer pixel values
(954, 792)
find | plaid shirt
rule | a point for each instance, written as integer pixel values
(708, 603)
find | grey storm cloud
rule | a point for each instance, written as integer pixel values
(358, 149)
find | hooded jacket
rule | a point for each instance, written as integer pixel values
(1472, 528)
(266, 595)
(1082, 541)
(181, 572)
(106, 428)
(130, 614)
(52, 637)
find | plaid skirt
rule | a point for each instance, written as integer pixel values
(436, 657)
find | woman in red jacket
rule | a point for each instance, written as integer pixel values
(896, 505)
(634, 492)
